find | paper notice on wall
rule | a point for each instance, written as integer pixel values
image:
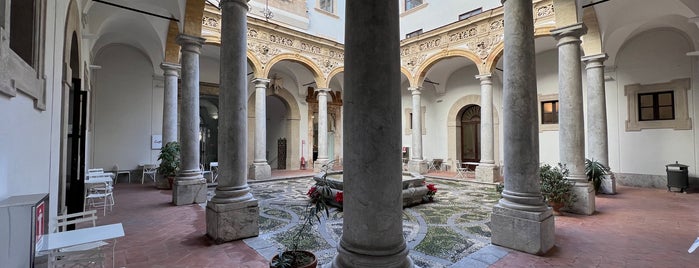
(694, 246)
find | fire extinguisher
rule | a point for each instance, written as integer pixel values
(303, 160)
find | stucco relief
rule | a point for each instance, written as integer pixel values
(545, 10)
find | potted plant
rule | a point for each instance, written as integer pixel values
(595, 172)
(319, 195)
(169, 161)
(555, 188)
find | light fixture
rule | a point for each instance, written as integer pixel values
(266, 12)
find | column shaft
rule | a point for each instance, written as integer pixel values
(596, 109)
(233, 212)
(521, 220)
(323, 124)
(189, 186)
(170, 102)
(260, 168)
(372, 229)
(416, 163)
(570, 116)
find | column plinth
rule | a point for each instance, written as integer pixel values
(487, 171)
(189, 186)
(233, 213)
(260, 169)
(571, 132)
(372, 229)
(417, 164)
(521, 220)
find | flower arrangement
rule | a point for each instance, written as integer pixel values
(431, 190)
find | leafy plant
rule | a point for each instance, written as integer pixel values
(319, 195)
(595, 172)
(555, 187)
(169, 159)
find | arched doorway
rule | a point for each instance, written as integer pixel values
(470, 140)
(278, 133)
(208, 129)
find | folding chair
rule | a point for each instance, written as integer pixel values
(430, 165)
(117, 172)
(213, 168)
(460, 169)
(150, 170)
(84, 255)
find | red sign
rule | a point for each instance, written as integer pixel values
(39, 224)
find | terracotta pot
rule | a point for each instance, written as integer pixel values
(312, 264)
(556, 208)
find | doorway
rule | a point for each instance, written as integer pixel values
(471, 134)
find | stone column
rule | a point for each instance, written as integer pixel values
(416, 163)
(233, 212)
(372, 230)
(170, 72)
(260, 169)
(521, 220)
(322, 129)
(571, 124)
(190, 185)
(486, 171)
(597, 141)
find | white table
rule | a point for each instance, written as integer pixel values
(53, 242)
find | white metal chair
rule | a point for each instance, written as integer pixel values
(117, 171)
(430, 165)
(95, 170)
(213, 169)
(150, 170)
(83, 255)
(460, 169)
(99, 191)
(205, 171)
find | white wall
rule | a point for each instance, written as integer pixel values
(326, 25)
(656, 56)
(547, 83)
(436, 14)
(124, 114)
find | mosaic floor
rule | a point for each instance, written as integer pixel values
(449, 232)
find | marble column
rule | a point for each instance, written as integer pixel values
(416, 163)
(322, 129)
(487, 171)
(571, 123)
(170, 71)
(597, 141)
(189, 186)
(372, 230)
(521, 220)
(233, 212)
(260, 169)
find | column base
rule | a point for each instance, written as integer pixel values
(530, 232)
(349, 259)
(232, 221)
(417, 166)
(488, 173)
(608, 184)
(189, 191)
(585, 203)
(318, 164)
(259, 171)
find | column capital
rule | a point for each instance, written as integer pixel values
(190, 43)
(415, 90)
(484, 77)
(243, 3)
(323, 91)
(170, 68)
(260, 81)
(595, 61)
(570, 33)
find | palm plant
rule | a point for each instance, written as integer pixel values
(595, 172)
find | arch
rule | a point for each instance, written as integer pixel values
(454, 126)
(315, 71)
(172, 49)
(256, 64)
(591, 41)
(498, 49)
(411, 79)
(294, 120)
(422, 71)
(334, 72)
(193, 16)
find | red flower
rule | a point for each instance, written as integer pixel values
(432, 188)
(338, 197)
(311, 191)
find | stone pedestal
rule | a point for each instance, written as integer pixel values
(487, 173)
(259, 171)
(585, 203)
(608, 184)
(185, 192)
(319, 163)
(531, 232)
(417, 166)
(232, 221)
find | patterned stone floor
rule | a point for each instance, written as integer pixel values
(448, 232)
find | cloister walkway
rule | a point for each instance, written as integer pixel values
(638, 227)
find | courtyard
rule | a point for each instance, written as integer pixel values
(639, 227)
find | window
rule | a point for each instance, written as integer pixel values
(661, 105)
(22, 30)
(471, 13)
(656, 106)
(549, 112)
(410, 4)
(408, 123)
(327, 5)
(414, 34)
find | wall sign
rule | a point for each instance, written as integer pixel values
(156, 142)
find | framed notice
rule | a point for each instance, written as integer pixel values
(156, 142)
